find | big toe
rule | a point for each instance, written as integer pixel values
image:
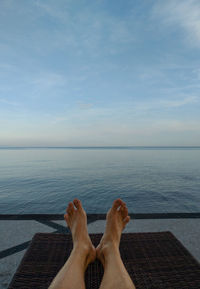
(116, 204)
(77, 204)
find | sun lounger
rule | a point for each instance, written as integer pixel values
(153, 260)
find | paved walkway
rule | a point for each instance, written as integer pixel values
(16, 236)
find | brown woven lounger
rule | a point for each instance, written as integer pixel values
(153, 260)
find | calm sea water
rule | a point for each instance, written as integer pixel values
(150, 180)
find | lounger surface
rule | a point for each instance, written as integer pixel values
(153, 260)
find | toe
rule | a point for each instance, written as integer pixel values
(66, 217)
(124, 211)
(126, 220)
(116, 204)
(70, 208)
(77, 204)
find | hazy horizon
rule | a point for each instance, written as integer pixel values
(98, 147)
(100, 73)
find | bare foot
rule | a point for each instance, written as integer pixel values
(76, 220)
(117, 218)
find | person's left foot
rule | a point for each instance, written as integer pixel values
(76, 220)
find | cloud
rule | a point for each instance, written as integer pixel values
(7, 67)
(184, 13)
(88, 28)
(49, 80)
(58, 119)
(132, 113)
(197, 74)
(9, 102)
(181, 101)
(54, 9)
(82, 105)
(153, 104)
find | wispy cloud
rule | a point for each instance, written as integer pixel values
(130, 113)
(156, 104)
(197, 74)
(49, 80)
(181, 101)
(7, 67)
(9, 102)
(84, 106)
(58, 119)
(88, 29)
(56, 10)
(184, 14)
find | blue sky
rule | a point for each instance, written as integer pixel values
(99, 72)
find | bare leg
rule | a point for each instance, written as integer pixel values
(71, 274)
(115, 274)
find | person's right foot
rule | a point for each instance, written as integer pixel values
(117, 218)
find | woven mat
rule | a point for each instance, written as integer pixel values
(153, 260)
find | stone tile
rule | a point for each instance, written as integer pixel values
(8, 267)
(97, 227)
(16, 232)
(60, 222)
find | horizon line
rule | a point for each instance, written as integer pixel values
(100, 146)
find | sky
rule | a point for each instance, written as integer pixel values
(99, 73)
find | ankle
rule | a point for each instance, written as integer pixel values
(108, 248)
(81, 248)
(85, 253)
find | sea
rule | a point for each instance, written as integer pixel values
(148, 179)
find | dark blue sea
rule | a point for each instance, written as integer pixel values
(148, 179)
